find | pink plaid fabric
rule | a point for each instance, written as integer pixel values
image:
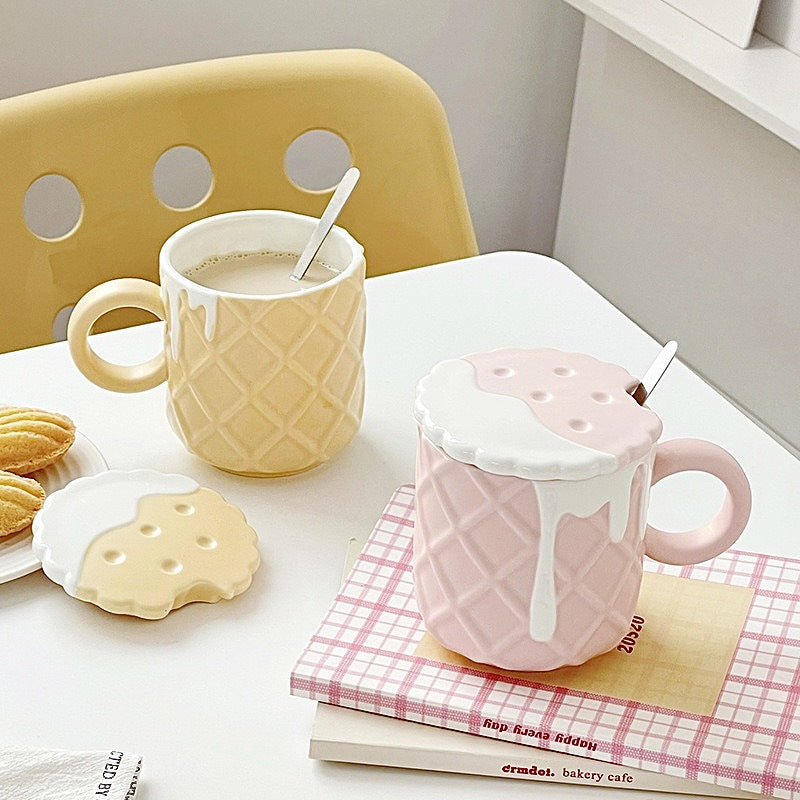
(362, 657)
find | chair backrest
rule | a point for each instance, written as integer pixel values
(242, 113)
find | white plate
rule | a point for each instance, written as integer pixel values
(83, 458)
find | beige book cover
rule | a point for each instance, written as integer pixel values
(356, 737)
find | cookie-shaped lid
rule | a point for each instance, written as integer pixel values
(538, 414)
(143, 543)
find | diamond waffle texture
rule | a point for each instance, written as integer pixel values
(476, 544)
(280, 386)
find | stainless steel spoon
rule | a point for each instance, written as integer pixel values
(329, 216)
(653, 375)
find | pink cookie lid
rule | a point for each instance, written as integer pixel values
(539, 414)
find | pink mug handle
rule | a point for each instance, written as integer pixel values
(722, 530)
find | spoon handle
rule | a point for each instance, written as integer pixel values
(329, 215)
(654, 373)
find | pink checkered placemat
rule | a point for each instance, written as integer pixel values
(362, 657)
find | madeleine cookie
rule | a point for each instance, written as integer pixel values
(32, 439)
(20, 499)
(144, 543)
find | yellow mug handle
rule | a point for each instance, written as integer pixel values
(120, 293)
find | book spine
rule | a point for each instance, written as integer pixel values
(546, 766)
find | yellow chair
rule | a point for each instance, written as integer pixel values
(242, 113)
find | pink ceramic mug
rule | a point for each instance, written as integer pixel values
(534, 469)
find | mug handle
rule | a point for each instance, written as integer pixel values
(722, 530)
(119, 293)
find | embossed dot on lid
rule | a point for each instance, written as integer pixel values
(541, 396)
(144, 543)
(580, 425)
(564, 372)
(206, 542)
(504, 372)
(602, 397)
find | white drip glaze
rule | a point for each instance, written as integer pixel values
(196, 296)
(73, 517)
(581, 499)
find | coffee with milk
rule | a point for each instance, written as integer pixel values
(257, 273)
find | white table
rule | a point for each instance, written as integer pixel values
(203, 694)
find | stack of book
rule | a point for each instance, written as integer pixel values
(705, 701)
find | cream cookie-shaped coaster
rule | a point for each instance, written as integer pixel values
(144, 543)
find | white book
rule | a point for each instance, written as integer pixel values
(357, 737)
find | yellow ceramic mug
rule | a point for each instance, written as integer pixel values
(258, 384)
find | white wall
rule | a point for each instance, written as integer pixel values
(685, 214)
(504, 71)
